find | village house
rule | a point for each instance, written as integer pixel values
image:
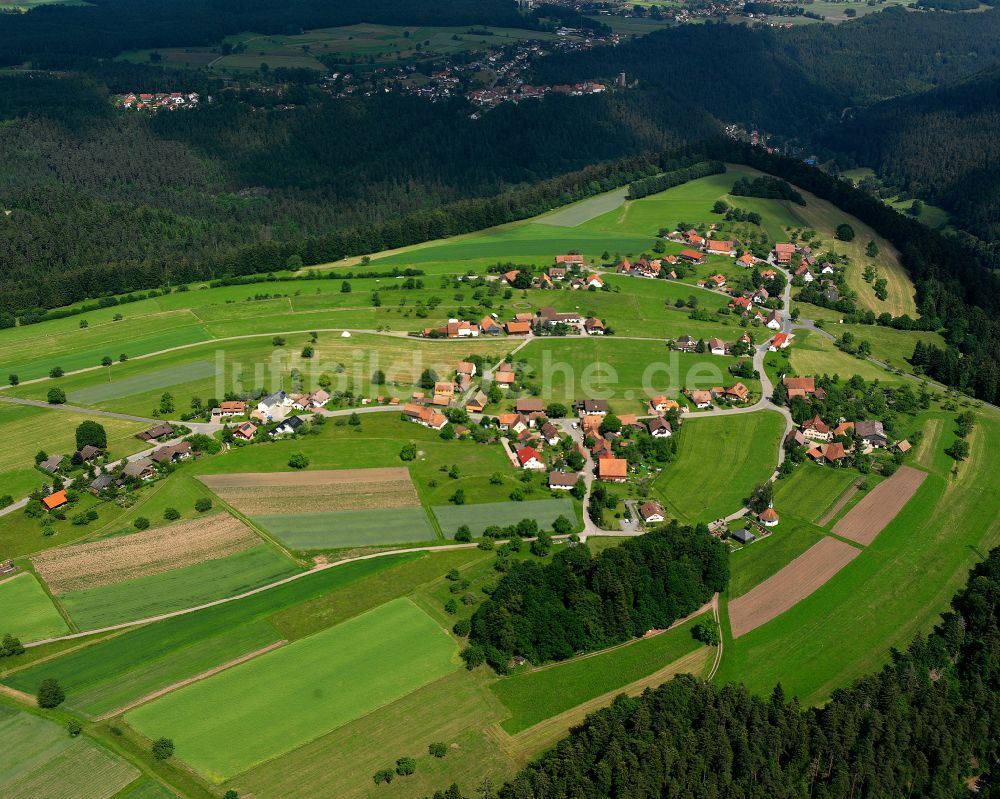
(591, 425)
(721, 247)
(52, 464)
(828, 453)
(872, 433)
(738, 393)
(761, 296)
(466, 368)
(529, 405)
(557, 273)
(594, 326)
(816, 429)
(246, 431)
(592, 407)
(594, 281)
(747, 260)
(685, 344)
(692, 256)
(716, 346)
(512, 422)
(613, 470)
(232, 408)
(551, 317)
(659, 428)
(90, 453)
(490, 327)
(274, 404)
(773, 320)
(783, 252)
(478, 402)
(741, 303)
(563, 481)
(156, 432)
(550, 434)
(55, 500)
(718, 280)
(141, 469)
(802, 387)
(462, 329)
(518, 328)
(529, 458)
(543, 281)
(651, 512)
(660, 404)
(291, 425)
(176, 452)
(424, 415)
(780, 342)
(300, 402)
(510, 277)
(692, 238)
(103, 482)
(569, 260)
(701, 399)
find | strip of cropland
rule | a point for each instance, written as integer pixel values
(879, 507)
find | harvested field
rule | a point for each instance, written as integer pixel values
(121, 558)
(265, 494)
(793, 583)
(870, 516)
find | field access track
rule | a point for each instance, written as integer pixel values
(870, 516)
(779, 592)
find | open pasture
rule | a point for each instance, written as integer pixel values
(110, 673)
(126, 557)
(258, 710)
(879, 507)
(812, 490)
(533, 696)
(178, 588)
(26, 610)
(349, 528)
(791, 584)
(141, 384)
(479, 517)
(38, 760)
(720, 460)
(313, 492)
(812, 353)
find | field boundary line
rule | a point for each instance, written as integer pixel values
(20, 696)
(142, 700)
(837, 506)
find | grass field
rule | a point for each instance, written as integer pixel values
(812, 353)
(260, 709)
(38, 760)
(534, 696)
(349, 528)
(812, 490)
(176, 589)
(894, 589)
(28, 613)
(143, 384)
(479, 517)
(626, 373)
(720, 460)
(148, 790)
(109, 673)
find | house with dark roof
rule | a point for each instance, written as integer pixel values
(563, 481)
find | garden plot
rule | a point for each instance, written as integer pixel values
(121, 558)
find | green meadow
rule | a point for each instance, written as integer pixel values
(757, 561)
(177, 589)
(812, 490)
(232, 721)
(720, 460)
(349, 528)
(479, 517)
(28, 613)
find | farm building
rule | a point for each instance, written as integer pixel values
(594, 326)
(529, 406)
(871, 432)
(477, 403)
(802, 387)
(613, 470)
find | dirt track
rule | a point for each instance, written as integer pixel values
(790, 585)
(870, 516)
(846, 497)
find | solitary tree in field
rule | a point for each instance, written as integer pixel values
(203, 504)
(406, 766)
(50, 693)
(463, 535)
(56, 371)
(13, 379)
(845, 232)
(106, 361)
(56, 396)
(163, 748)
(298, 460)
(706, 632)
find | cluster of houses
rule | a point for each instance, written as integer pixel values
(714, 346)
(704, 399)
(153, 102)
(826, 443)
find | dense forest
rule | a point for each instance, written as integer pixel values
(578, 603)
(923, 726)
(942, 145)
(59, 36)
(232, 189)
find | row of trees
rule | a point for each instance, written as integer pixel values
(579, 603)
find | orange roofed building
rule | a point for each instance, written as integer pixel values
(614, 470)
(55, 500)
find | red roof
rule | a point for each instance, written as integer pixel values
(526, 454)
(692, 254)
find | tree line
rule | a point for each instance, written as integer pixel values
(579, 603)
(924, 725)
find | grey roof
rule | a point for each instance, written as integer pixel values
(102, 481)
(274, 399)
(52, 463)
(869, 428)
(136, 468)
(743, 536)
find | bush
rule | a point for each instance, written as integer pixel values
(384, 775)
(298, 460)
(707, 632)
(203, 504)
(451, 606)
(462, 629)
(408, 452)
(438, 749)
(141, 523)
(50, 693)
(10, 646)
(171, 514)
(56, 396)
(845, 232)
(163, 748)
(73, 728)
(230, 794)
(463, 535)
(406, 766)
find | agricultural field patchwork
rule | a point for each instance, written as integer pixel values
(157, 379)
(349, 528)
(479, 517)
(231, 721)
(27, 611)
(38, 760)
(812, 490)
(752, 564)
